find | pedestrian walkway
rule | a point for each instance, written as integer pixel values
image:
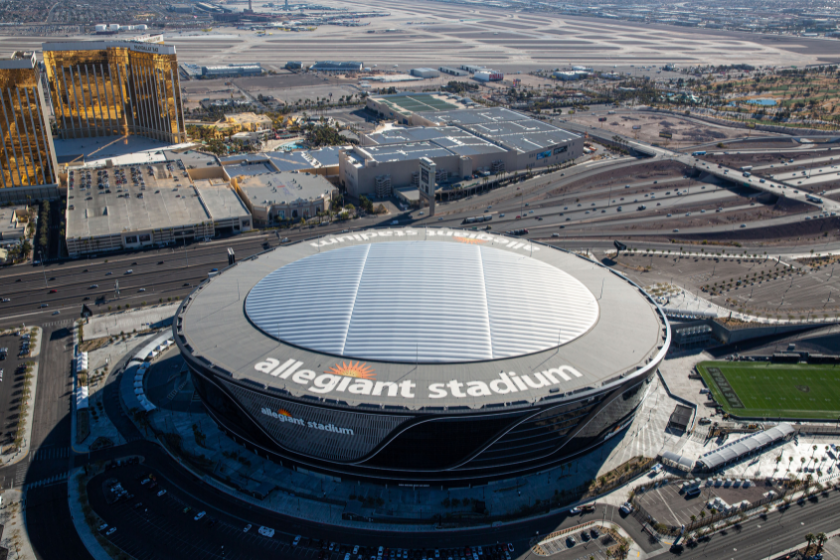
(47, 481)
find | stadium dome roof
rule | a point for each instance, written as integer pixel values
(422, 301)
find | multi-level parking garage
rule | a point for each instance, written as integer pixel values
(422, 356)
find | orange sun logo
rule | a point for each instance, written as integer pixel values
(468, 241)
(284, 412)
(352, 369)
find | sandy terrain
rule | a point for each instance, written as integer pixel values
(684, 132)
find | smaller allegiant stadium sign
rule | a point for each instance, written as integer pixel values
(287, 418)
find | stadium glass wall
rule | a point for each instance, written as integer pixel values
(453, 447)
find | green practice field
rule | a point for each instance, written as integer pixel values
(768, 390)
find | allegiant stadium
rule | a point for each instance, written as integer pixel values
(421, 356)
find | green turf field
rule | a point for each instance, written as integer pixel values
(768, 390)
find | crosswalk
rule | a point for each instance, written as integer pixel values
(51, 453)
(47, 481)
(58, 323)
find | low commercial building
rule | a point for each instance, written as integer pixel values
(570, 76)
(13, 222)
(425, 72)
(463, 143)
(284, 196)
(337, 67)
(249, 122)
(231, 70)
(489, 76)
(132, 206)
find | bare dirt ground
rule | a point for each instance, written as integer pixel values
(762, 287)
(684, 132)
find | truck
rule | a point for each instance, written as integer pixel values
(746, 168)
(812, 198)
(747, 173)
(602, 119)
(698, 153)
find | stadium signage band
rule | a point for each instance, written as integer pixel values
(284, 416)
(325, 383)
(512, 243)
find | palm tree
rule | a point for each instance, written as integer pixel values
(809, 538)
(821, 538)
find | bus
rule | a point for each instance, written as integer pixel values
(699, 154)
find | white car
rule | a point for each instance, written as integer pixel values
(266, 532)
(247, 528)
(575, 510)
(111, 531)
(161, 493)
(199, 515)
(102, 527)
(296, 541)
(626, 508)
(356, 549)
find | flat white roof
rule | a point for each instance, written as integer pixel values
(423, 301)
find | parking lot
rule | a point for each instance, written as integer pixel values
(171, 518)
(586, 545)
(176, 534)
(671, 506)
(12, 372)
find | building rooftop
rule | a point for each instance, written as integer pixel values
(284, 187)
(529, 142)
(247, 118)
(414, 134)
(192, 159)
(221, 201)
(10, 227)
(473, 116)
(121, 150)
(164, 202)
(248, 167)
(402, 152)
(289, 161)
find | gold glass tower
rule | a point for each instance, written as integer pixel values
(103, 88)
(27, 158)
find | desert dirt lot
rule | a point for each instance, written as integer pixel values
(763, 287)
(684, 132)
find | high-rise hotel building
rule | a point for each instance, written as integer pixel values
(27, 158)
(104, 88)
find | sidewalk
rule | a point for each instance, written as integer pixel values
(21, 453)
(13, 517)
(85, 532)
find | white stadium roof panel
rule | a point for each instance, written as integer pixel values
(420, 301)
